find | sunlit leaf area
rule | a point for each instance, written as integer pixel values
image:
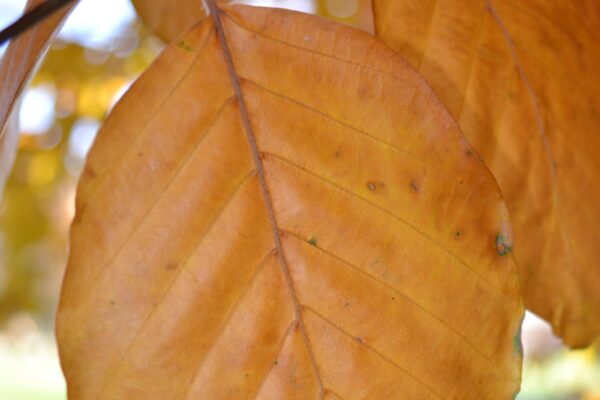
(98, 53)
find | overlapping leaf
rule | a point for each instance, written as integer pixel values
(521, 78)
(18, 64)
(280, 208)
(169, 19)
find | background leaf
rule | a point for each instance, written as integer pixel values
(521, 79)
(17, 67)
(169, 19)
(292, 215)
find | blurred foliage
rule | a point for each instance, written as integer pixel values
(38, 203)
(83, 84)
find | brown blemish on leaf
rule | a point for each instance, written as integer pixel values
(363, 89)
(312, 241)
(80, 211)
(89, 172)
(374, 185)
(415, 188)
(172, 266)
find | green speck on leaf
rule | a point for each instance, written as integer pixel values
(183, 45)
(502, 247)
(312, 241)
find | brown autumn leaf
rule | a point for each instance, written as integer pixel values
(521, 79)
(169, 19)
(282, 209)
(16, 68)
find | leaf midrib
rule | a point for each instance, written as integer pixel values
(215, 13)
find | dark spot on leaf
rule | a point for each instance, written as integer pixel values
(502, 247)
(140, 154)
(312, 241)
(172, 266)
(374, 185)
(337, 154)
(458, 234)
(414, 187)
(89, 172)
(359, 339)
(275, 362)
(393, 298)
(469, 153)
(80, 211)
(183, 45)
(111, 302)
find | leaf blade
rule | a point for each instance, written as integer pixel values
(350, 231)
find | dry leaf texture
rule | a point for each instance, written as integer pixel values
(169, 19)
(282, 209)
(521, 78)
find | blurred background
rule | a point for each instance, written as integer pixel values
(101, 49)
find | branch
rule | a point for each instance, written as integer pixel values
(31, 18)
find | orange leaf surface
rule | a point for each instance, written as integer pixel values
(521, 79)
(17, 67)
(169, 19)
(282, 209)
